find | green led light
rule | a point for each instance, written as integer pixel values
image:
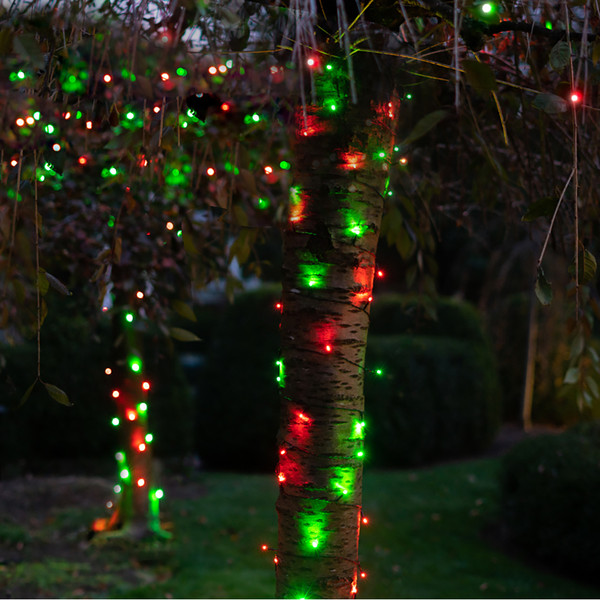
(285, 165)
(390, 193)
(21, 74)
(179, 233)
(78, 114)
(396, 148)
(184, 124)
(181, 72)
(72, 79)
(12, 77)
(333, 107)
(263, 203)
(315, 543)
(47, 166)
(255, 117)
(117, 489)
(229, 64)
(111, 221)
(175, 172)
(159, 494)
(37, 115)
(142, 407)
(487, 8)
(115, 421)
(149, 437)
(130, 115)
(381, 154)
(329, 67)
(360, 454)
(120, 456)
(379, 372)
(113, 170)
(548, 25)
(129, 317)
(313, 275)
(49, 128)
(409, 96)
(124, 474)
(281, 377)
(135, 364)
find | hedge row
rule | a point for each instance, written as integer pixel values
(550, 493)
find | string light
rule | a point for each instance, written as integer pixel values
(169, 225)
(20, 122)
(212, 70)
(82, 160)
(30, 120)
(116, 393)
(131, 415)
(222, 69)
(56, 147)
(139, 294)
(116, 421)
(575, 97)
(141, 447)
(210, 171)
(164, 76)
(107, 78)
(146, 385)
(141, 482)
(14, 162)
(88, 124)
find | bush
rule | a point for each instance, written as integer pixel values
(238, 405)
(437, 398)
(550, 493)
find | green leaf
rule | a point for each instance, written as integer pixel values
(183, 309)
(26, 46)
(183, 335)
(42, 282)
(480, 76)
(27, 393)
(543, 289)
(571, 376)
(587, 267)
(544, 207)
(550, 103)
(560, 55)
(426, 124)
(57, 394)
(592, 386)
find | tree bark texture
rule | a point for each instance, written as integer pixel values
(328, 267)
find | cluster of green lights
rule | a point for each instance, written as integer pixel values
(285, 165)
(312, 525)
(249, 119)
(281, 376)
(181, 72)
(17, 76)
(355, 226)
(109, 172)
(111, 221)
(359, 430)
(313, 275)
(125, 74)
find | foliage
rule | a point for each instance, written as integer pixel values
(437, 397)
(237, 395)
(550, 490)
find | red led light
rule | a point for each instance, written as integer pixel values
(275, 560)
(56, 147)
(363, 575)
(403, 160)
(88, 124)
(115, 393)
(20, 122)
(328, 348)
(365, 520)
(222, 69)
(66, 116)
(30, 120)
(139, 294)
(354, 589)
(142, 447)
(303, 417)
(108, 371)
(142, 482)
(210, 171)
(131, 415)
(268, 170)
(279, 306)
(107, 78)
(575, 97)
(380, 273)
(169, 225)
(14, 162)
(164, 76)
(280, 477)
(212, 70)
(311, 62)
(264, 547)
(82, 160)
(370, 299)
(156, 109)
(146, 385)
(225, 107)
(282, 451)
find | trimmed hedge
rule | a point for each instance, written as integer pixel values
(238, 399)
(550, 493)
(437, 398)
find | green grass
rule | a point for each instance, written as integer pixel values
(423, 541)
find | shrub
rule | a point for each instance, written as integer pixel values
(238, 404)
(437, 397)
(550, 492)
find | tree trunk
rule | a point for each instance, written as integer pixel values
(328, 268)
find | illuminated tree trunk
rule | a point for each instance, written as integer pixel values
(136, 505)
(329, 264)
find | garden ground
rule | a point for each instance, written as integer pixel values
(433, 534)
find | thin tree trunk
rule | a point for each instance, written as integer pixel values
(529, 384)
(329, 263)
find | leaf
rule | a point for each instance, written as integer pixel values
(183, 335)
(183, 309)
(544, 207)
(543, 289)
(426, 124)
(560, 55)
(57, 394)
(59, 286)
(480, 76)
(27, 393)
(42, 282)
(117, 250)
(571, 376)
(550, 103)
(592, 386)
(26, 46)
(587, 267)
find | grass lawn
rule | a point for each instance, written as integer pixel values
(424, 541)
